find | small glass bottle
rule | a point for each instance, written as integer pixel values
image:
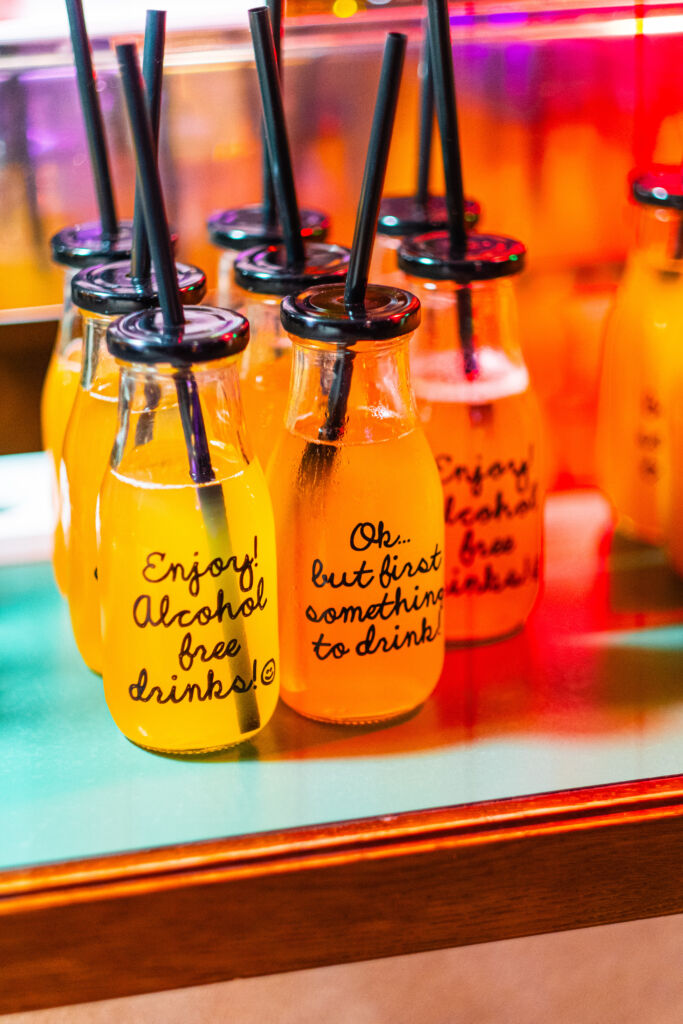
(358, 514)
(262, 279)
(642, 358)
(234, 231)
(74, 248)
(186, 542)
(101, 294)
(674, 532)
(404, 217)
(481, 418)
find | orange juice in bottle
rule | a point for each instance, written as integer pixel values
(358, 514)
(101, 294)
(642, 359)
(262, 277)
(187, 546)
(481, 418)
(74, 248)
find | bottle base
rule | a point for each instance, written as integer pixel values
(197, 752)
(392, 717)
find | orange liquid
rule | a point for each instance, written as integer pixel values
(57, 401)
(175, 687)
(265, 369)
(264, 390)
(642, 357)
(360, 568)
(87, 447)
(487, 454)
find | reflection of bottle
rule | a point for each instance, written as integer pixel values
(642, 357)
(262, 278)
(187, 544)
(235, 231)
(100, 294)
(357, 504)
(74, 248)
(482, 422)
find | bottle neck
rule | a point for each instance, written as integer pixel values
(267, 337)
(352, 394)
(97, 364)
(180, 426)
(469, 336)
(659, 237)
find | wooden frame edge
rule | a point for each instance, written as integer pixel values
(301, 898)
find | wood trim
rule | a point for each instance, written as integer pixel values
(282, 901)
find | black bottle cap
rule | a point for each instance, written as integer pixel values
(404, 216)
(109, 290)
(485, 258)
(207, 334)
(265, 270)
(84, 245)
(320, 314)
(660, 185)
(244, 227)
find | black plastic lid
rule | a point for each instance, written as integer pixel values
(265, 270)
(207, 334)
(244, 227)
(660, 185)
(485, 258)
(109, 290)
(84, 245)
(320, 314)
(404, 215)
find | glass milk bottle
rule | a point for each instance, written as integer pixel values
(262, 278)
(480, 415)
(101, 294)
(234, 231)
(187, 542)
(404, 217)
(358, 514)
(73, 248)
(674, 532)
(642, 356)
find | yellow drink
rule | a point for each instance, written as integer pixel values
(484, 435)
(189, 607)
(643, 356)
(87, 446)
(57, 400)
(360, 562)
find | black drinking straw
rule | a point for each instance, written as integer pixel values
(426, 125)
(211, 498)
(444, 91)
(317, 458)
(375, 170)
(152, 74)
(92, 115)
(268, 205)
(276, 134)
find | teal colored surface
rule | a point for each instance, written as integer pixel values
(590, 693)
